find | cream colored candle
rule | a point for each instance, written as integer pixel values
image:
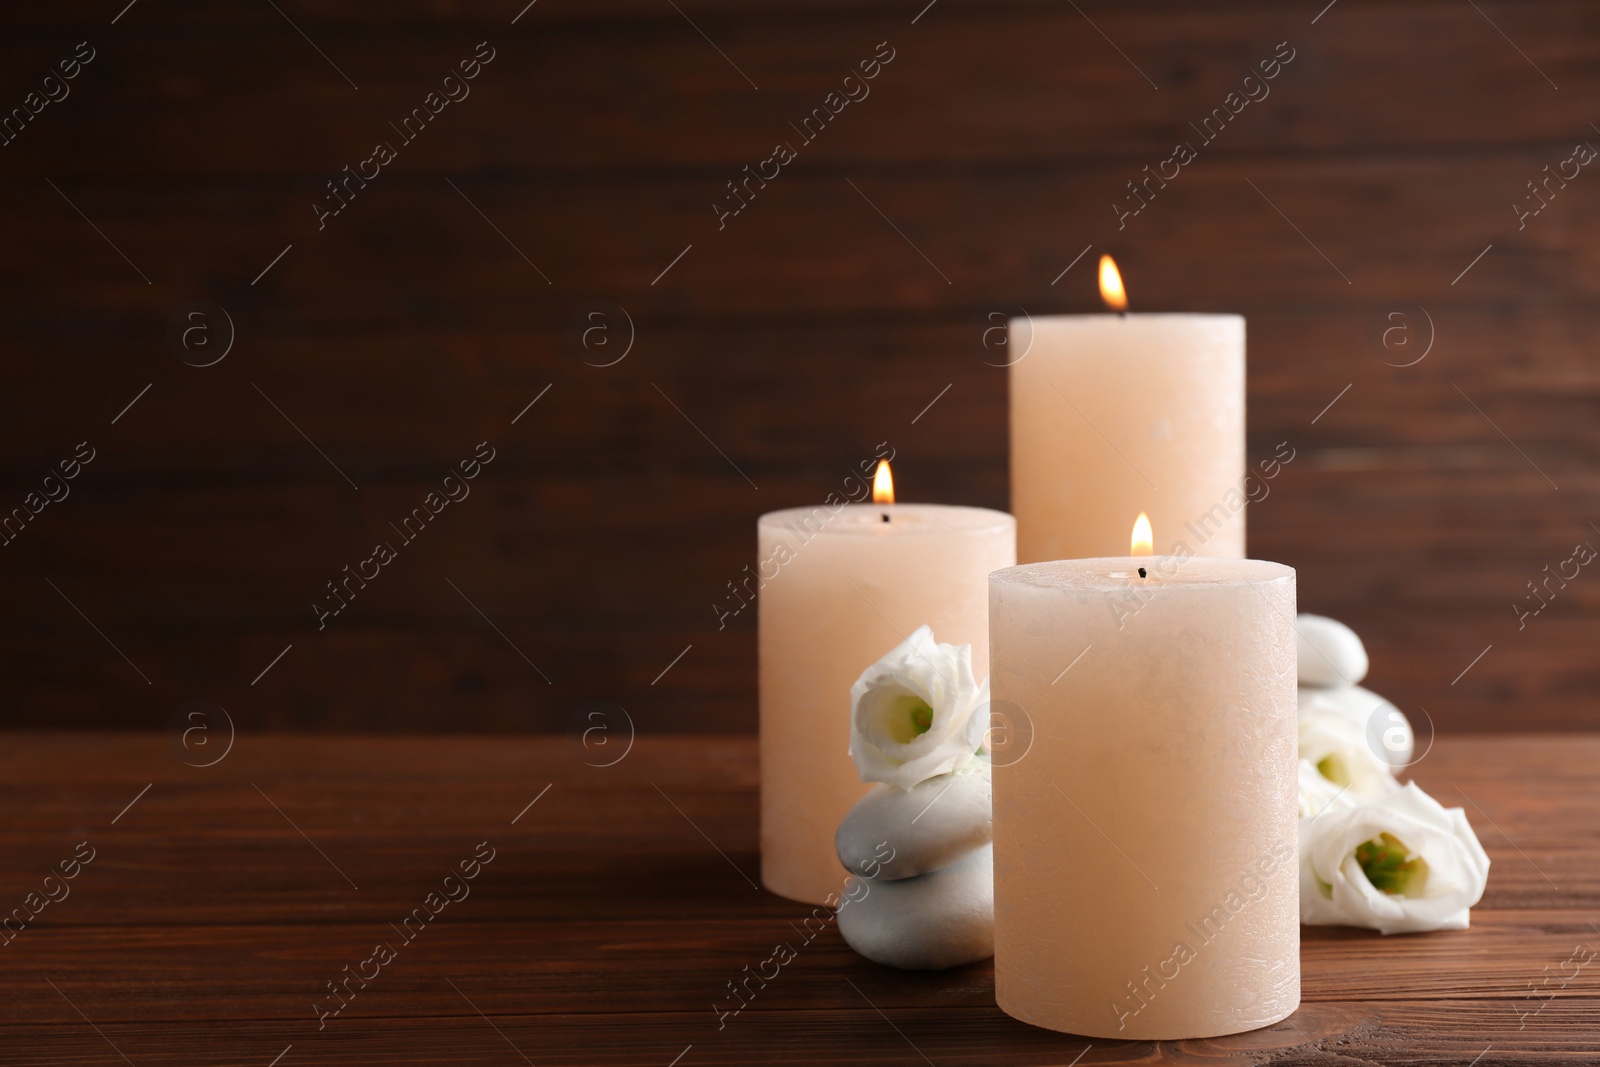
(1116, 414)
(850, 584)
(1146, 879)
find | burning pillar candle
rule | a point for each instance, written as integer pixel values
(1117, 413)
(1146, 872)
(849, 583)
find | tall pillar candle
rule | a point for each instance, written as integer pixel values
(1146, 873)
(846, 586)
(1114, 414)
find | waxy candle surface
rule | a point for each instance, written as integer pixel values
(1146, 872)
(851, 587)
(1112, 415)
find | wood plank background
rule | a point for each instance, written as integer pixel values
(585, 163)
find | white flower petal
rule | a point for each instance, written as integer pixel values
(1338, 747)
(1317, 793)
(1385, 726)
(1335, 890)
(882, 742)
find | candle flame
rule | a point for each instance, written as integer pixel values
(1143, 539)
(1111, 290)
(883, 484)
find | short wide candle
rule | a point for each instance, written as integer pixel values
(847, 587)
(1146, 872)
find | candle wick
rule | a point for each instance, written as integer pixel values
(886, 516)
(1142, 574)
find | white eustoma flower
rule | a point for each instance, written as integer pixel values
(1318, 793)
(1398, 864)
(918, 712)
(1338, 748)
(1387, 729)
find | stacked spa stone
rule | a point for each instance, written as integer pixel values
(925, 857)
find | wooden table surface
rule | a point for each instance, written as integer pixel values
(620, 900)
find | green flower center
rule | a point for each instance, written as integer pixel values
(910, 717)
(1391, 867)
(1334, 770)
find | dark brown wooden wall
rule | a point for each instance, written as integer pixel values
(777, 351)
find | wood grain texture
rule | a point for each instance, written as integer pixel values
(783, 345)
(617, 907)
